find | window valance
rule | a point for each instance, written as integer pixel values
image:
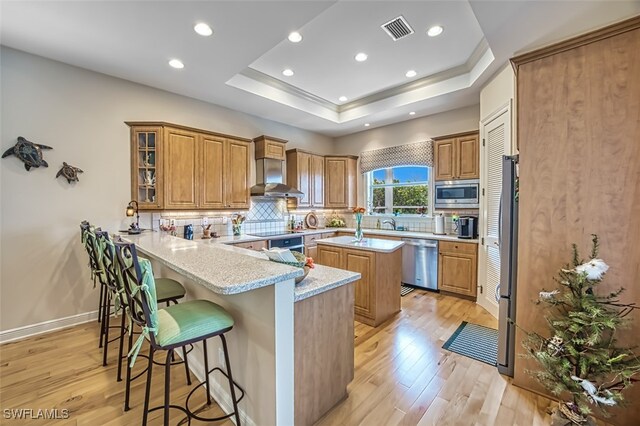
(413, 154)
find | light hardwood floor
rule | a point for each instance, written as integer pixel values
(402, 376)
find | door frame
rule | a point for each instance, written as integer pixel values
(483, 299)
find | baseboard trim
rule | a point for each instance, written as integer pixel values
(46, 327)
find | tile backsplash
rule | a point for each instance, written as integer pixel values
(267, 215)
(263, 216)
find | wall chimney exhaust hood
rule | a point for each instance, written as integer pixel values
(269, 181)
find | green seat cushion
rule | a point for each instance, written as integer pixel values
(167, 289)
(190, 320)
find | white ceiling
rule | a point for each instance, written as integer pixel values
(240, 65)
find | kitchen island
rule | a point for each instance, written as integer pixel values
(287, 339)
(379, 262)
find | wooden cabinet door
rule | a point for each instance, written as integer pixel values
(336, 175)
(146, 159)
(457, 273)
(445, 154)
(212, 185)
(330, 256)
(304, 178)
(236, 174)
(181, 169)
(253, 245)
(311, 251)
(317, 181)
(365, 289)
(468, 158)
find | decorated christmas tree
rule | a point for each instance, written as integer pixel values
(581, 359)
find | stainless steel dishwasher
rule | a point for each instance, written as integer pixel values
(420, 263)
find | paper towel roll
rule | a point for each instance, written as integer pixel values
(439, 228)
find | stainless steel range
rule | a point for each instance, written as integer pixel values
(285, 239)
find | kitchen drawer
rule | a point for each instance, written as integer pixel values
(311, 239)
(328, 234)
(253, 245)
(457, 247)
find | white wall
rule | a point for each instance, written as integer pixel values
(81, 115)
(499, 91)
(416, 130)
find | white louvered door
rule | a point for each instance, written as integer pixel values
(496, 135)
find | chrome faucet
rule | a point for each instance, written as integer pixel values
(391, 222)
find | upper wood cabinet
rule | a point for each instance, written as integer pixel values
(236, 174)
(270, 147)
(457, 156)
(194, 169)
(457, 267)
(181, 163)
(340, 181)
(147, 185)
(305, 172)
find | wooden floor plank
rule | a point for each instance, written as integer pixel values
(402, 376)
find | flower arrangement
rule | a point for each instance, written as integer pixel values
(309, 263)
(359, 212)
(236, 223)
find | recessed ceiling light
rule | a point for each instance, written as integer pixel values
(342, 99)
(436, 30)
(366, 124)
(287, 73)
(176, 63)
(411, 73)
(295, 37)
(203, 29)
(412, 113)
(361, 57)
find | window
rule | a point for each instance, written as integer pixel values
(402, 190)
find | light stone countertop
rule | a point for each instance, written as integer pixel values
(248, 238)
(225, 269)
(320, 279)
(410, 234)
(221, 271)
(369, 244)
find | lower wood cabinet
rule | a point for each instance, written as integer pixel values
(253, 245)
(310, 243)
(377, 292)
(363, 262)
(458, 268)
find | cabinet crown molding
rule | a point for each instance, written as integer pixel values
(182, 127)
(577, 41)
(456, 135)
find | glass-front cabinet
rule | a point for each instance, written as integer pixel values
(146, 167)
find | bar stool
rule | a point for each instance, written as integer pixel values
(168, 291)
(87, 235)
(171, 328)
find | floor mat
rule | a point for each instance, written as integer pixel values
(404, 290)
(474, 341)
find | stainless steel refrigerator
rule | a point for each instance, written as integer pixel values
(508, 265)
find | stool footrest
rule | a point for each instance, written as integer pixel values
(211, 419)
(177, 407)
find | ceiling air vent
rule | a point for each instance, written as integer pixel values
(397, 28)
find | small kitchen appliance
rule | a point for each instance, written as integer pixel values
(468, 227)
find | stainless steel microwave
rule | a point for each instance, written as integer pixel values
(460, 194)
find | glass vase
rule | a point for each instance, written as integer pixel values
(359, 235)
(237, 229)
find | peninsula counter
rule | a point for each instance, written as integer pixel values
(285, 337)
